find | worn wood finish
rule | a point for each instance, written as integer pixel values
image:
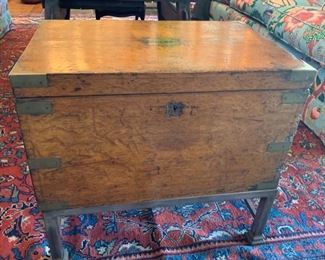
(125, 149)
(82, 58)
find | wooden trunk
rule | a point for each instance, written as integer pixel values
(127, 112)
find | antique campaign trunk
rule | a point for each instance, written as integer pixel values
(135, 114)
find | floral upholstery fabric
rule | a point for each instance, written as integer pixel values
(257, 9)
(5, 18)
(280, 3)
(262, 10)
(314, 112)
(301, 27)
(222, 12)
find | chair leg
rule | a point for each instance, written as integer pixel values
(53, 10)
(143, 15)
(159, 11)
(67, 15)
(255, 235)
(53, 236)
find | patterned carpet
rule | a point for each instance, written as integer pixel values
(295, 229)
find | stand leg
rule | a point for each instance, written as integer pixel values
(53, 236)
(255, 235)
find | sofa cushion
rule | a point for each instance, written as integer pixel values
(257, 9)
(5, 19)
(314, 3)
(281, 3)
(222, 12)
(262, 10)
(301, 27)
(226, 2)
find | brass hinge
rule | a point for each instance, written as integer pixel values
(34, 107)
(295, 97)
(44, 163)
(29, 81)
(278, 147)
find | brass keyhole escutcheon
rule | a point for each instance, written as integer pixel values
(174, 109)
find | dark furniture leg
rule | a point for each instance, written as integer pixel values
(183, 7)
(137, 12)
(53, 236)
(102, 8)
(201, 10)
(169, 11)
(255, 235)
(53, 10)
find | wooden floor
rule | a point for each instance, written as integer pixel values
(16, 7)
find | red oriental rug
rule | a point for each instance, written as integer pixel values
(295, 229)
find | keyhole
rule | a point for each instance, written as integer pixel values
(174, 109)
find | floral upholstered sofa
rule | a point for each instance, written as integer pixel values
(5, 19)
(298, 25)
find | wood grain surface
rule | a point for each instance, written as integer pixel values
(125, 149)
(116, 57)
(110, 82)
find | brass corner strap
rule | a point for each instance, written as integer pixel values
(34, 107)
(44, 163)
(295, 97)
(278, 147)
(266, 185)
(29, 81)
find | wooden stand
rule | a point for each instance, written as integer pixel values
(254, 236)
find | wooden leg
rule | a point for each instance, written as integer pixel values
(53, 10)
(159, 11)
(167, 11)
(53, 236)
(143, 15)
(251, 206)
(183, 7)
(255, 235)
(67, 14)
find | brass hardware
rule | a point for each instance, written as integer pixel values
(278, 147)
(29, 81)
(265, 185)
(44, 163)
(174, 109)
(294, 97)
(302, 75)
(34, 107)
